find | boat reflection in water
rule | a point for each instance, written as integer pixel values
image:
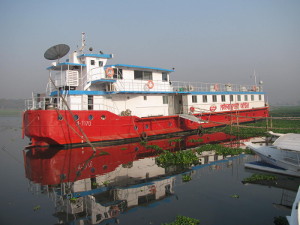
(98, 186)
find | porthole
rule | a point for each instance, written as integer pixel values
(91, 117)
(103, 117)
(136, 148)
(170, 124)
(59, 117)
(76, 117)
(104, 167)
(146, 126)
(136, 128)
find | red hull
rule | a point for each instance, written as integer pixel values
(57, 127)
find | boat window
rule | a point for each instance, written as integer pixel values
(252, 97)
(239, 98)
(194, 98)
(76, 117)
(204, 98)
(214, 98)
(142, 75)
(60, 117)
(91, 117)
(147, 75)
(118, 73)
(165, 77)
(246, 97)
(92, 62)
(165, 99)
(145, 97)
(223, 98)
(231, 98)
(103, 117)
(259, 97)
(138, 75)
(100, 63)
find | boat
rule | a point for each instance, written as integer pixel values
(284, 153)
(294, 218)
(88, 100)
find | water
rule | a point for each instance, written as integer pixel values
(125, 182)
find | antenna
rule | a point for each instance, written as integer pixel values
(82, 42)
(254, 75)
(56, 52)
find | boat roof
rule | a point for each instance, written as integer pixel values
(105, 56)
(289, 141)
(64, 66)
(139, 67)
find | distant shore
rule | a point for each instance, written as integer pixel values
(10, 112)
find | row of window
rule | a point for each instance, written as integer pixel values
(214, 98)
(224, 97)
(100, 63)
(147, 75)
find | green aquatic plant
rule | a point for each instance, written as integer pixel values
(36, 208)
(260, 177)
(73, 200)
(155, 147)
(186, 177)
(105, 183)
(180, 158)
(196, 140)
(235, 196)
(175, 140)
(183, 220)
(143, 142)
(220, 149)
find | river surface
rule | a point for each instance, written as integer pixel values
(123, 184)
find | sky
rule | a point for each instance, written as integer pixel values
(211, 41)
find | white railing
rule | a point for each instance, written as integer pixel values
(143, 85)
(181, 86)
(212, 87)
(43, 103)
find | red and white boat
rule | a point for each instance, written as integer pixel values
(87, 100)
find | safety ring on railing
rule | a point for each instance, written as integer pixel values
(192, 109)
(216, 87)
(109, 72)
(150, 84)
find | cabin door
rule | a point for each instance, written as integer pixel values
(171, 109)
(178, 106)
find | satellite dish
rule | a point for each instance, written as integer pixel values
(57, 52)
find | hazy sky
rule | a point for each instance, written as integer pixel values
(204, 40)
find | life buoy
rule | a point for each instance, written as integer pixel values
(254, 88)
(216, 87)
(150, 84)
(109, 72)
(192, 109)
